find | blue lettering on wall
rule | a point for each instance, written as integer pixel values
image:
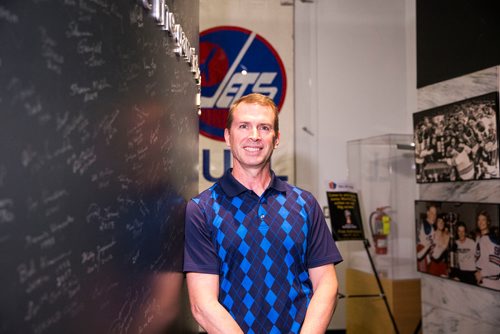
(206, 164)
(227, 164)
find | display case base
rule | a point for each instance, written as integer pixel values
(369, 314)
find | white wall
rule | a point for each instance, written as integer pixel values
(355, 73)
(354, 60)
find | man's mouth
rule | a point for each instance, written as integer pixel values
(252, 148)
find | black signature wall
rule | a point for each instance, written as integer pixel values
(99, 150)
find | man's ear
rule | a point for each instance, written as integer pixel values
(226, 137)
(277, 139)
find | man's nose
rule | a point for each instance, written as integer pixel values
(255, 135)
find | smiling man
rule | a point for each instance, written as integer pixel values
(259, 257)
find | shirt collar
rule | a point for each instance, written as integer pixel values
(232, 187)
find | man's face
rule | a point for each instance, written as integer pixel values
(461, 233)
(431, 215)
(252, 137)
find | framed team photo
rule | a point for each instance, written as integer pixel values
(457, 141)
(459, 241)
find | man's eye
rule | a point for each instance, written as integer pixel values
(265, 128)
(243, 126)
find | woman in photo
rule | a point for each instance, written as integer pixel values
(439, 252)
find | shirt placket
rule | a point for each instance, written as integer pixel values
(262, 211)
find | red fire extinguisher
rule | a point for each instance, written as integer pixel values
(380, 226)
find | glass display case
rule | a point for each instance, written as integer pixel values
(382, 171)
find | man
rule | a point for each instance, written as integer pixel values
(259, 257)
(465, 248)
(460, 159)
(487, 253)
(425, 238)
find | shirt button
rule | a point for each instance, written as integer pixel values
(262, 216)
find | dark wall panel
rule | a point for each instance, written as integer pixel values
(98, 149)
(456, 37)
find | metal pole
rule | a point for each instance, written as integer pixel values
(384, 297)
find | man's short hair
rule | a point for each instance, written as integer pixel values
(251, 99)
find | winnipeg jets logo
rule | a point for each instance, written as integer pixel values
(235, 62)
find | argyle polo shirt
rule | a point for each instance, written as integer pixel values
(261, 248)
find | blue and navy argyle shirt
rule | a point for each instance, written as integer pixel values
(261, 247)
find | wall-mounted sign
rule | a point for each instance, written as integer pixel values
(234, 62)
(165, 19)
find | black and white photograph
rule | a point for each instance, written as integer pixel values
(457, 141)
(459, 241)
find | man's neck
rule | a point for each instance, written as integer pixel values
(256, 180)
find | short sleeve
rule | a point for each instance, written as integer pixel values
(322, 249)
(200, 253)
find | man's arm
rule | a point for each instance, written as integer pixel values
(322, 305)
(209, 313)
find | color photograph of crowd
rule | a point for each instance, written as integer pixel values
(459, 241)
(457, 141)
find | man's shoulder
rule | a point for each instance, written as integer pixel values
(470, 240)
(297, 192)
(208, 194)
